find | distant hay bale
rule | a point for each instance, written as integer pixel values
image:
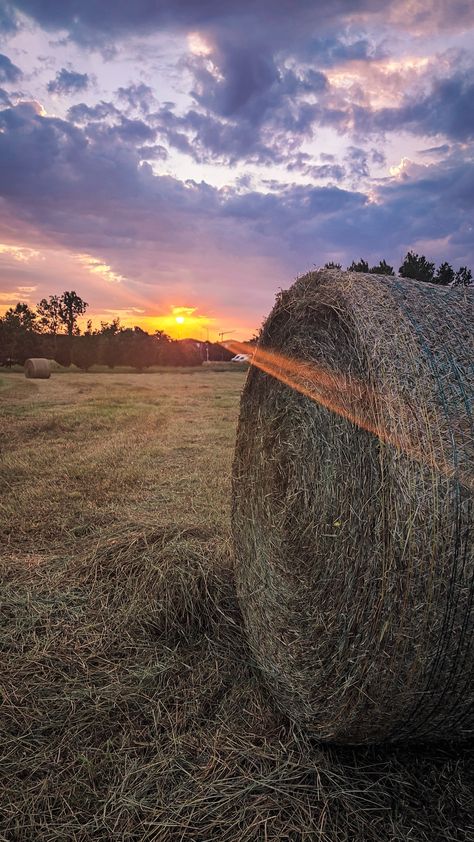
(352, 510)
(37, 368)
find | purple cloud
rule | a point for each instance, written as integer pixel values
(9, 72)
(82, 113)
(448, 109)
(90, 190)
(90, 21)
(139, 97)
(68, 82)
(287, 106)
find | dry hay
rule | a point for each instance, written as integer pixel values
(352, 508)
(37, 368)
(131, 710)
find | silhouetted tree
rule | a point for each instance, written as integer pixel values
(18, 335)
(109, 349)
(444, 275)
(417, 268)
(49, 311)
(182, 352)
(463, 277)
(63, 350)
(361, 266)
(137, 348)
(70, 307)
(332, 265)
(50, 323)
(85, 349)
(382, 268)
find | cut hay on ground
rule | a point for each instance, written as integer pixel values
(353, 504)
(37, 368)
(132, 711)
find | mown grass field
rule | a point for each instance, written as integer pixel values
(130, 708)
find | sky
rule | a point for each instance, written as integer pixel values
(189, 159)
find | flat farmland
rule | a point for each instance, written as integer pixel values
(86, 453)
(130, 705)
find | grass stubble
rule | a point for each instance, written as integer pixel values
(130, 706)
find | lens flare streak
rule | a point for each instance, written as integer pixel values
(385, 416)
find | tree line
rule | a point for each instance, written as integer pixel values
(52, 331)
(417, 268)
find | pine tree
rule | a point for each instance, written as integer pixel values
(382, 268)
(463, 277)
(444, 275)
(361, 266)
(417, 268)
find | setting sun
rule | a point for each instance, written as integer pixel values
(182, 322)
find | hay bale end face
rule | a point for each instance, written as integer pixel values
(37, 368)
(352, 508)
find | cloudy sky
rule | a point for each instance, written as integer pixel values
(200, 155)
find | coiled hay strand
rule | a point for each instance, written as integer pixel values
(37, 368)
(352, 489)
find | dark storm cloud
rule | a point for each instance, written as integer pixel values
(333, 50)
(92, 21)
(206, 138)
(138, 97)
(9, 72)
(275, 136)
(260, 94)
(86, 189)
(377, 156)
(246, 76)
(329, 169)
(152, 153)
(247, 108)
(447, 110)
(4, 98)
(8, 21)
(82, 113)
(68, 82)
(333, 172)
(134, 131)
(85, 183)
(357, 162)
(247, 83)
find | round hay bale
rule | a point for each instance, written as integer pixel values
(352, 507)
(37, 368)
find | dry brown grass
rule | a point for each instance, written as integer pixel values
(131, 709)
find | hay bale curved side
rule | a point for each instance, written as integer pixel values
(37, 368)
(352, 505)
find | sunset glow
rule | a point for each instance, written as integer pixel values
(246, 146)
(184, 323)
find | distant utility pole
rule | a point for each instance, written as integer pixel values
(221, 337)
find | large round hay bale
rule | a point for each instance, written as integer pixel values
(352, 490)
(37, 368)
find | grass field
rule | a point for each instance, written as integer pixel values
(130, 706)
